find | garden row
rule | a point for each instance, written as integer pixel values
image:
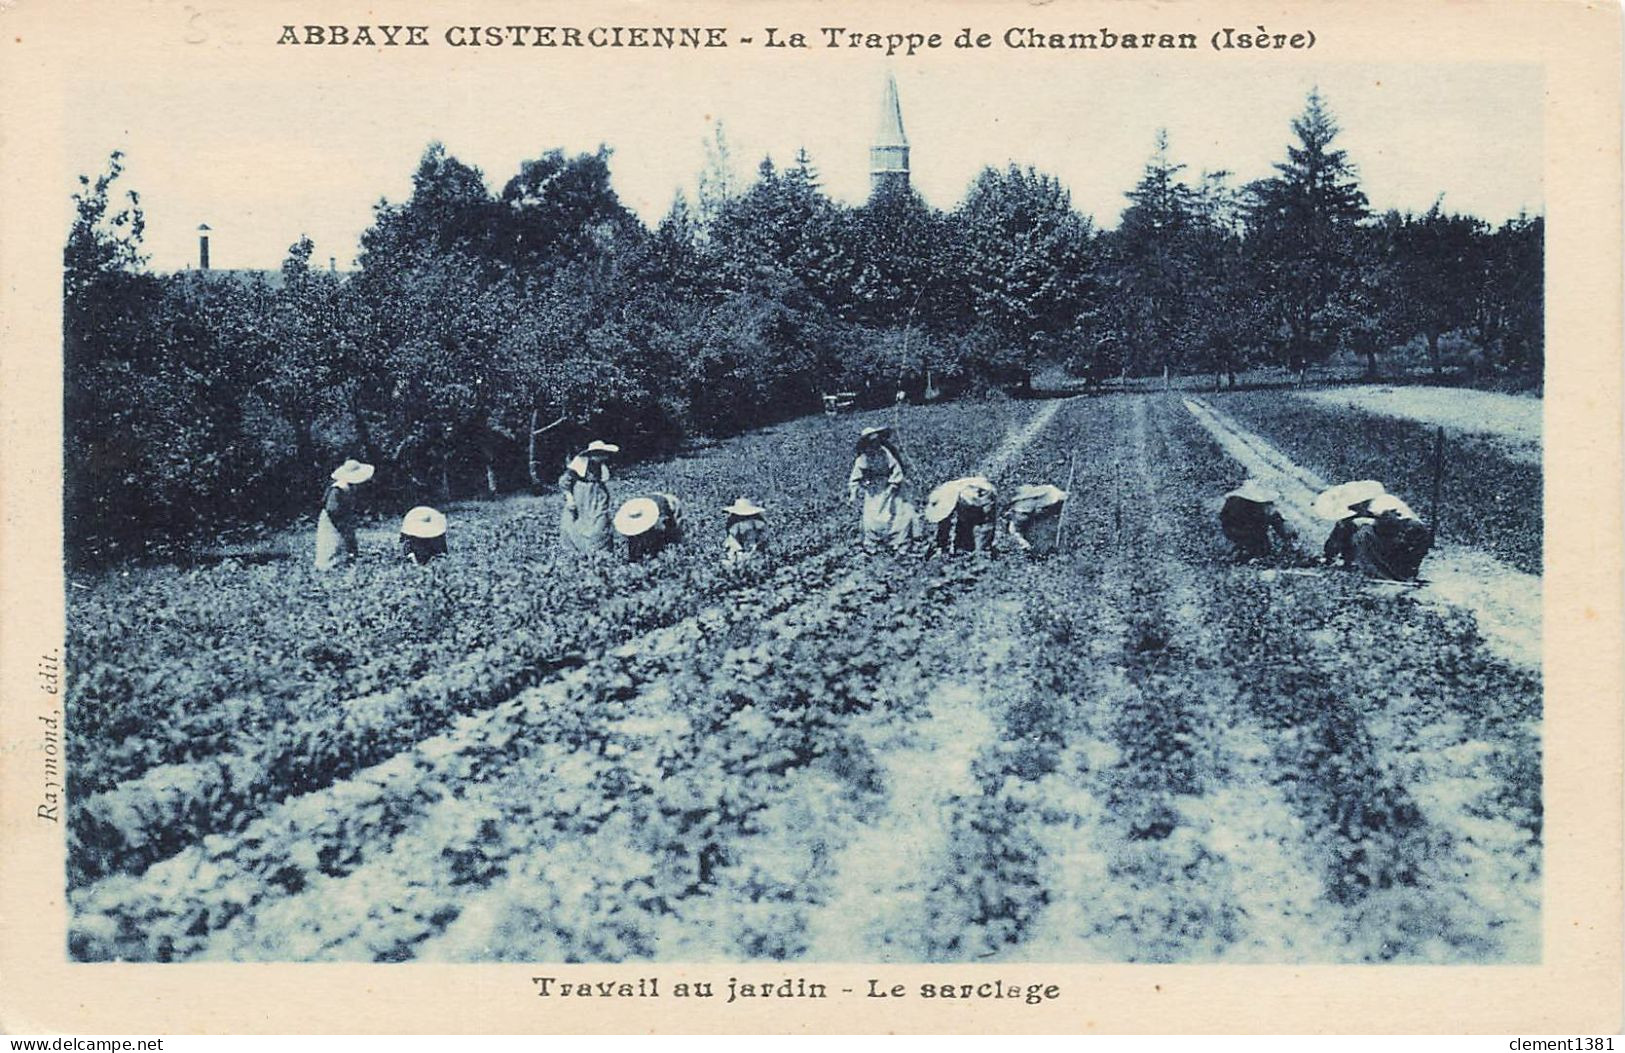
(618, 798)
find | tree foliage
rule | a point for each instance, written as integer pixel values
(492, 329)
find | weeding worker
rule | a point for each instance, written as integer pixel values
(335, 527)
(1249, 516)
(649, 524)
(962, 511)
(877, 475)
(1033, 520)
(584, 523)
(1375, 531)
(745, 538)
(423, 534)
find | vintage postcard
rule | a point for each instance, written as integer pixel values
(811, 517)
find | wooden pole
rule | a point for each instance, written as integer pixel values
(1060, 528)
(1438, 479)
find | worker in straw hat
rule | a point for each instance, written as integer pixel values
(649, 524)
(1375, 531)
(886, 519)
(745, 533)
(1248, 517)
(423, 534)
(1033, 519)
(963, 513)
(335, 526)
(584, 522)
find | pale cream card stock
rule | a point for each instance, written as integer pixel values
(215, 85)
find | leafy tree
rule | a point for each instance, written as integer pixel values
(1221, 301)
(718, 184)
(1025, 268)
(1509, 314)
(107, 301)
(562, 210)
(1435, 271)
(301, 331)
(450, 210)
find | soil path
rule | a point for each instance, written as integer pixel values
(1506, 602)
(1222, 873)
(884, 872)
(1513, 419)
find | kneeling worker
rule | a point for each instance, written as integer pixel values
(423, 534)
(649, 524)
(962, 512)
(1248, 517)
(1375, 532)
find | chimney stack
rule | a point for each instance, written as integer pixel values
(332, 265)
(203, 246)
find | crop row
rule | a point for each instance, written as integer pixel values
(668, 749)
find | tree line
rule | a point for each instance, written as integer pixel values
(488, 331)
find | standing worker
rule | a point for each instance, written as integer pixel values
(746, 533)
(584, 523)
(877, 474)
(1249, 516)
(1376, 532)
(963, 512)
(1033, 520)
(335, 527)
(649, 524)
(423, 534)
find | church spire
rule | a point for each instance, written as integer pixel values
(888, 155)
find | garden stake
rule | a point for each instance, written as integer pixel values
(1060, 528)
(1438, 479)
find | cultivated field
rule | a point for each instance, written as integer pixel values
(1135, 750)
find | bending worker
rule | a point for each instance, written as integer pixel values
(1033, 520)
(1375, 531)
(962, 511)
(877, 474)
(649, 524)
(1249, 516)
(584, 523)
(423, 534)
(746, 533)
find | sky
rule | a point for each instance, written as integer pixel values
(263, 163)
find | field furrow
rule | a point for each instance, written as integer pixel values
(1134, 749)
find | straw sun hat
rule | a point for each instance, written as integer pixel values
(424, 522)
(743, 507)
(637, 516)
(1255, 491)
(352, 471)
(1389, 503)
(1334, 504)
(1035, 496)
(945, 498)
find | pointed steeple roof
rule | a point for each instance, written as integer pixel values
(890, 131)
